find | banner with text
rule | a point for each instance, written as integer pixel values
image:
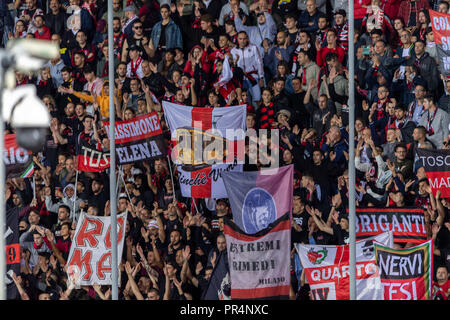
(18, 161)
(437, 168)
(327, 269)
(12, 252)
(440, 23)
(90, 159)
(259, 263)
(139, 138)
(406, 274)
(89, 259)
(407, 224)
(207, 142)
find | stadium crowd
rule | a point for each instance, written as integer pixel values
(288, 61)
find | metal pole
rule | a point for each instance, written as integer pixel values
(112, 150)
(351, 163)
(2, 185)
(171, 177)
(126, 189)
(75, 198)
(34, 187)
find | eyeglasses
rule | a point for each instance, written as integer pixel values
(138, 27)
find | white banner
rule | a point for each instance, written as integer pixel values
(259, 263)
(327, 269)
(90, 254)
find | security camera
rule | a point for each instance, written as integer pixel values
(30, 117)
(30, 55)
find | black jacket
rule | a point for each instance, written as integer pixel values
(156, 83)
(428, 70)
(56, 23)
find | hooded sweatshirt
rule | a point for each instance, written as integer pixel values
(256, 34)
(103, 100)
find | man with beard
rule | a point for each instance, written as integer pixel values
(282, 51)
(118, 36)
(121, 77)
(301, 116)
(281, 99)
(97, 194)
(321, 34)
(340, 17)
(117, 11)
(137, 39)
(56, 19)
(404, 127)
(63, 217)
(265, 29)
(299, 231)
(155, 81)
(78, 69)
(251, 63)
(321, 112)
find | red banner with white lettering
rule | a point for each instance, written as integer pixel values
(440, 23)
(90, 259)
(437, 169)
(407, 224)
(139, 138)
(406, 274)
(327, 269)
(18, 161)
(90, 159)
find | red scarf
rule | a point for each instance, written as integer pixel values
(429, 128)
(135, 66)
(105, 69)
(196, 23)
(36, 246)
(380, 108)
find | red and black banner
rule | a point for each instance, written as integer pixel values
(18, 161)
(407, 224)
(406, 274)
(12, 248)
(437, 168)
(137, 139)
(440, 23)
(90, 159)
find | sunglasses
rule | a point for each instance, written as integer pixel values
(138, 27)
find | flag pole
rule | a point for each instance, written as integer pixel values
(118, 180)
(34, 187)
(125, 185)
(195, 205)
(75, 193)
(112, 149)
(171, 177)
(351, 164)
